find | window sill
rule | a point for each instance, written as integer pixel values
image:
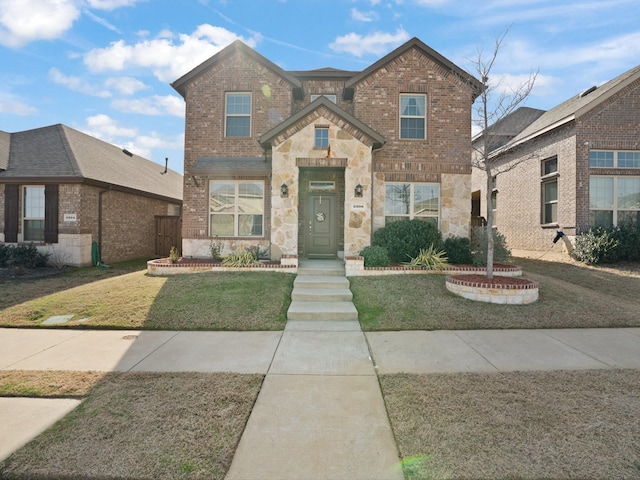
(550, 225)
(549, 176)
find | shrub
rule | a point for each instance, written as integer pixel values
(5, 254)
(628, 236)
(458, 250)
(25, 256)
(215, 250)
(241, 259)
(404, 239)
(597, 246)
(430, 258)
(501, 252)
(173, 255)
(375, 256)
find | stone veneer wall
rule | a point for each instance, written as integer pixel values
(299, 148)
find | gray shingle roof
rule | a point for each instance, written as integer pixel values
(576, 106)
(60, 153)
(508, 127)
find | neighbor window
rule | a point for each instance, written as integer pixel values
(331, 98)
(322, 137)
(33, 214)
(413, 117)
(549, 173)
(613, 159)
(238, 115)
(412, 201)
(236, 208)
(614, 200)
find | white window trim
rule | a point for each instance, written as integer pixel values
(25, 218)
(412, 214)
(614, 206)
(227, 115)
(401, 116)
(236, 213)
(550, 178)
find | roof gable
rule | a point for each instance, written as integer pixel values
(322, 103)
(576, 106)
(474, 84)
(237, 46)
(60, 153)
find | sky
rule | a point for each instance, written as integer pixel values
(105, 67)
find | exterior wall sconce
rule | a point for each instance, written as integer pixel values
(358, 190)
(284, 190)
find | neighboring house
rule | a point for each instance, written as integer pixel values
(63, 190)
(579, 167)
(310, 163)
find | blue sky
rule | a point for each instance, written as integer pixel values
(105, 66)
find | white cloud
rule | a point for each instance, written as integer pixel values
(377, 43)
(155, 105)
(106, 128)
(110, 4)
(125, 85)
(12, 105)
(77, 84)
(23, 21)
(167, 57)
(363, 16)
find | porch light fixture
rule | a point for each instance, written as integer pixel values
(284, 190)
(358, 190)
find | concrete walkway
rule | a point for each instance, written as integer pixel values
(319, 413)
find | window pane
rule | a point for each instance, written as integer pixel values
(412, 128)
(629, 193)
(238, 126)
(629, 216)
(601, 192)
(550, 166)
(221, 225)
(629, 159)
(222, 197)
(551, 213)
(322, 137)
(250, 197)
(34, 202)
(397, 199)
(550, 192)
(250, 225)
(33, 231)
(238, 104)
(601, 218)
(413, 106)
(600, 159)
(425, 200)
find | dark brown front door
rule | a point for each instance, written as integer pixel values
(322, 219)
(168, 235)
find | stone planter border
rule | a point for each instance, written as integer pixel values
(522, 292)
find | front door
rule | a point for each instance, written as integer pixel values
(322, 226)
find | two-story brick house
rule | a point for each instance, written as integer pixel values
(310, 163)
(578, 167)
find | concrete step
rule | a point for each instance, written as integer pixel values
(320, 281)
(329, 270)
(322, 311)
(321, 295)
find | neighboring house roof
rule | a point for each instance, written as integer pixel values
(415, 42)
(575, 107)
(509, 126)
(322, 102)
(58, 153)
(237, 46)
(5, 139)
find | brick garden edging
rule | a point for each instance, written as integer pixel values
(515, 291)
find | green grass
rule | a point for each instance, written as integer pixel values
(202, 301)
(570, 296)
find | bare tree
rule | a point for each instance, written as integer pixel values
(492, 105)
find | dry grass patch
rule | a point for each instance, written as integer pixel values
(145, 425)
(47, 384)
(553, 425)
(570, 297)
(203, 301)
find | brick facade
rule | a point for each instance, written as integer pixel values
(609, 123)
(367, 110)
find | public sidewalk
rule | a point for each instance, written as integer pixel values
(338, 355)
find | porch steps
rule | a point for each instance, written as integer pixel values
(321, 292)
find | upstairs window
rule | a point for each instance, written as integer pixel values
(413, 117)
(322, 137)
(33, 214)
(602, 159)
(238, 115)
(331, 98)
